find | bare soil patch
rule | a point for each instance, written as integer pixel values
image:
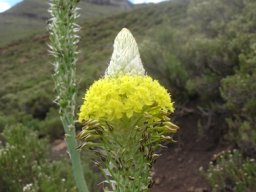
(177, 170)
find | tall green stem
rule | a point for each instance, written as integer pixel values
(63, 47)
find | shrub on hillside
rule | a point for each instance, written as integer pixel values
(231, 172)
(25, 165)
(159, 54)
(239, 93)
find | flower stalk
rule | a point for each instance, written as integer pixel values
(63, 47)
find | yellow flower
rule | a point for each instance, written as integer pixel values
(113, 98)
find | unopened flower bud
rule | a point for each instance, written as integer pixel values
(125, 59)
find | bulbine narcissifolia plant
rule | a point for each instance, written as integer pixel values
(63, 47)
(125, 117)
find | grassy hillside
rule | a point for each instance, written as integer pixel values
(30, 17)
(27, 89)
(18, 60)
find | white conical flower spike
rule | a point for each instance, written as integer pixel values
(125, 57)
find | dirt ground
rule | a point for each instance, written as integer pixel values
(177, 170)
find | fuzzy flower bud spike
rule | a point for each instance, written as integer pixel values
(126, 118)
(125, 58)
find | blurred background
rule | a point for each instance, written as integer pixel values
(203, 51)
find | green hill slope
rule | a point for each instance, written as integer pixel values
(202, 50)
(30, 17)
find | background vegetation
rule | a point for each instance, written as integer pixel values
(204, 51)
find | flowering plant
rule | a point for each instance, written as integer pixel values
(63, 47)
(126, 117)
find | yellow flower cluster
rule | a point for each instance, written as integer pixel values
(113, 98)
